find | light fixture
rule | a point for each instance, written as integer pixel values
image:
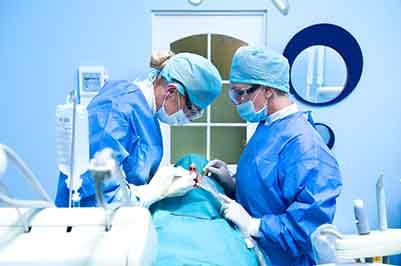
(282, 5)
(195, 2)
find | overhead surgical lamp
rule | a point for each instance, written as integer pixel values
(282, 5)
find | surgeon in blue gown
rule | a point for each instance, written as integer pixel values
(125, 116)
(287, 180)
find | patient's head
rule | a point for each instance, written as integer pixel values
(192, 159)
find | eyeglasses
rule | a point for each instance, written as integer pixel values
(192, 111)
(238, 95)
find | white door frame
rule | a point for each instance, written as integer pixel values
(171, 25)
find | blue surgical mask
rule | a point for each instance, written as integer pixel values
(177, 118)
(247, 111)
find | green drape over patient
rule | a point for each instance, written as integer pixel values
(191, 230)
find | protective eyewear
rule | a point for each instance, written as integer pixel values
(238, 95)
(192, 111)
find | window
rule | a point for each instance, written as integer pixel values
(220, 133)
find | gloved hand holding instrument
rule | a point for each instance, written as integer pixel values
(169, 181)
(222, 174)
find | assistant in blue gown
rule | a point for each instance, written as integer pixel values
(289, 178)
(119, 118)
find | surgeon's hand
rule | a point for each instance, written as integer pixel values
(173, 181)
(181, 185)
(234, 212)
(157, 188)
(169, 181)
(223, 175)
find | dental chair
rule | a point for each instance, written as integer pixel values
(334, 248)
(37, 233)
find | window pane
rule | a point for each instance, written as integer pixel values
(202, 119)
(227, 143)
(223, 49)
(186, 140)
(196, 44)
(223, 111)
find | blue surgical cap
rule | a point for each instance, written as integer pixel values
(253, 65)
(199, 77)
(192, 158)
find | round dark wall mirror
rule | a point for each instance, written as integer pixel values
(325, 63)
(319, 74)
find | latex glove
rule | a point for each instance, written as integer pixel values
(221, 171)
(157, 187)
(181, 185)
(217, 167)
(234, 212)
(169, 181)
(164, 176)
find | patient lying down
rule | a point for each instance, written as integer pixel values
(190, 228)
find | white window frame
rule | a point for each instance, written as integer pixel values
(210, 19)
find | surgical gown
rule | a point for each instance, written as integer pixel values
(288, 178)
(119, 118)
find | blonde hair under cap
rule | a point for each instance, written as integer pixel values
(159, 59)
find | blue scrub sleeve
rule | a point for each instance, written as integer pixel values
(311, 182)
(113, 134)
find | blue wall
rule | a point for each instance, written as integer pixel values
(42, 43)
